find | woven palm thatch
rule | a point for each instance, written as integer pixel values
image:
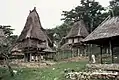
(66, 47)
(78, 30)
(49, 50)
(33, 34)
(33, 28)
(2, 38)
(109, 28)
(2, 35)
(16, 50)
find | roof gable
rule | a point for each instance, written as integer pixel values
(78, 30)
(107, 29)
(33, 28)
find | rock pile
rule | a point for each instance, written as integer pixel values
(95, 72)
(91, 75)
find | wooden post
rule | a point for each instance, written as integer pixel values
(39, 58)
(111, 51)
(78, 52)
(90, 53)
(24, 57)
(107, 50)
(30, 57)
(101, 55)
(72, 52)
(85, 51)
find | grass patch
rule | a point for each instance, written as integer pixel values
(55, 72)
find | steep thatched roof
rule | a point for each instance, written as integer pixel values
(109, 28)
(33, 28)
(33, 35)
(78, 30)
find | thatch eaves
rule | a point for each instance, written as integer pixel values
(108, 29)
(78, 30)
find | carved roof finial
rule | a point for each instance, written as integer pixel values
(34, 8)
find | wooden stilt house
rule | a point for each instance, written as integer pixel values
(74, 37)
(33, 40)
(105, 35)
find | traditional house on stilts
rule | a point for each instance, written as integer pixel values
(106, 35)
(74, 37)
(33, 40)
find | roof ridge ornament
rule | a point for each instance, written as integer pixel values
(34, 8)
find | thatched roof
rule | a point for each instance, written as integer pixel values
(33, 28)
(2, 38)
(78, 30)
(65, 47)
(15, 48)
(33, 33)
(48, 49)
(109, 28)
(2, 33)
(16, 51)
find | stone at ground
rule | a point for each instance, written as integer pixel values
(32, 64)
(14, 71)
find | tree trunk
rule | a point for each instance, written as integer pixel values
(9, 67)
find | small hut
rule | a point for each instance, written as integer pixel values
(17, 53)
(105, 35)
(33, 39)
(66, 51)
(74, 37)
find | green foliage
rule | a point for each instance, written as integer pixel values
(7, 30)
(8, 40)
(56, 34)
(6, 45)
(90, 11)
(45, 73)
(114, 7)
